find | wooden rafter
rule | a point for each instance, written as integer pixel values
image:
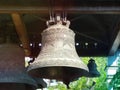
(22, 33)
(85, 10)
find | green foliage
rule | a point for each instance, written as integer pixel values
(79, 84)
(100, 81)
(85, 83)
(60, 86)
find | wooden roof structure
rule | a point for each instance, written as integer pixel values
(96, 23)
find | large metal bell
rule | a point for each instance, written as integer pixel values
(93, 68)
(58, 58)
(13, 75)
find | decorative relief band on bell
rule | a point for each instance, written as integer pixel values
(57, 28)
(56, 37)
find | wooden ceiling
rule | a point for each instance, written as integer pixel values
(96, 23)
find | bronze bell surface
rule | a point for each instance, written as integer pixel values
(13, 75)
(58, 58)
(40, 82)
(93, 68)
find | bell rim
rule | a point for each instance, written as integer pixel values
(60, 63)
(92, 74)
(69, 66)
(85, 73)
(26, 79)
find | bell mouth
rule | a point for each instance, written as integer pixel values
(16, 86)
(17, 78)
(94, 74)
(58, 72)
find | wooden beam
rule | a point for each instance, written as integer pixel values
(115, 44)
(21, 31)
(83, 10)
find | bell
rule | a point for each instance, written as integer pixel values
(41, 83)
(13, 75)
(93, 68)
(58, 58)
